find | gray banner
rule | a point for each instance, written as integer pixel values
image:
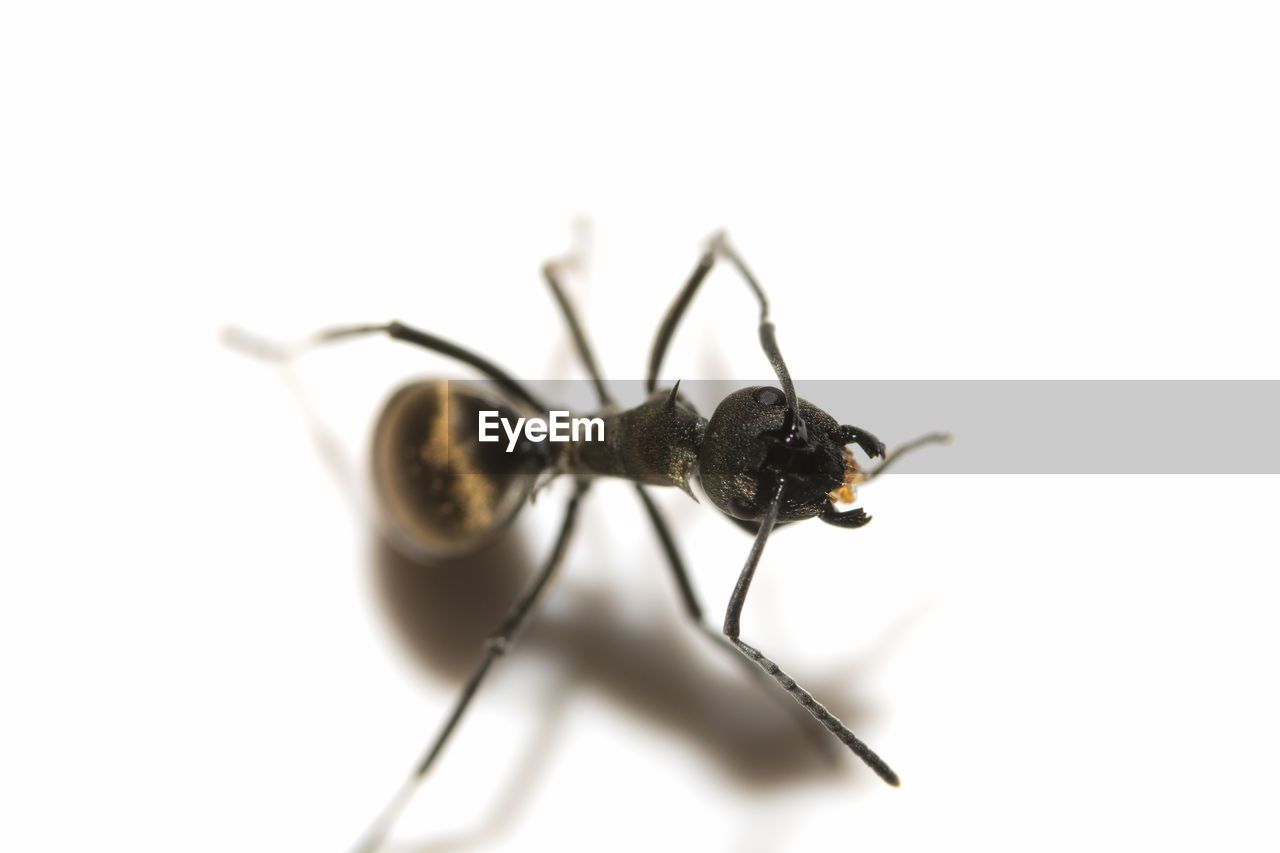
(1027, 426)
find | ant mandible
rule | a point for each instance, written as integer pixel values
(764, 459)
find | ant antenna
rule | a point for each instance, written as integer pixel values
(718, 247)
(732, 629)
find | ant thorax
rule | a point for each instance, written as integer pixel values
(656, 443)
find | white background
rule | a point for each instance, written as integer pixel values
(202, 649)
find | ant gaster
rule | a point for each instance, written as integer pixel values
(765, 458)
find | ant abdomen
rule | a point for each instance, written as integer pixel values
(442, 493)
(745, 453)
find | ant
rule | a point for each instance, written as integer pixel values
(766, 458)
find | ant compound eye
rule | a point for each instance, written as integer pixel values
(769, 396)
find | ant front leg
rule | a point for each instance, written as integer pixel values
(732, 630)
(899, 452)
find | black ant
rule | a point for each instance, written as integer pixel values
(764, 459)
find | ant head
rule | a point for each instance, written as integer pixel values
(750, 446)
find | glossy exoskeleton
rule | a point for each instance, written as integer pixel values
(765, 458)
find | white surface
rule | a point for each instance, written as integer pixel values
(195, 650)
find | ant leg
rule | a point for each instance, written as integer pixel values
(718, 248)
(255, 346)
(691, 604)
(898, 452)
(694, 608)
(498, 644)
(732, 627)
(553, 271)
(665, 332)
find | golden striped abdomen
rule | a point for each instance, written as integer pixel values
(441, 492)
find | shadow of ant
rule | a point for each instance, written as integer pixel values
(663, 671)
